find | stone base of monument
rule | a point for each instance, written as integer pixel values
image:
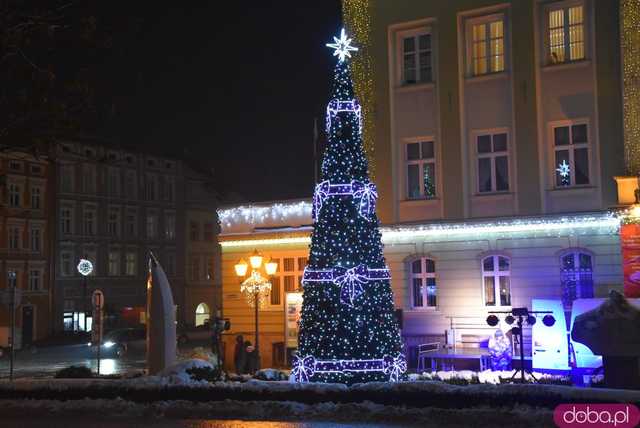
(621, 372)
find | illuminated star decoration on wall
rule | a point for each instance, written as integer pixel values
(342, 46)
(564, 170)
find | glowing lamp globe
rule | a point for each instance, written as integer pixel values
(241, 268)
(255, 259)
(271, 267)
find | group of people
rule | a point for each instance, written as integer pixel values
(245, 356)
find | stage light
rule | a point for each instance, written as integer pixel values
(509, 319)
(531, 320)
(492, 320)
(548, 320)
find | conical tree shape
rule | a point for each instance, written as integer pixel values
(348, 331)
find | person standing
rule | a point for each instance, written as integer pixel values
(240, 355)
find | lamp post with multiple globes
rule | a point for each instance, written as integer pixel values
(256, 287)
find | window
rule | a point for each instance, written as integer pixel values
(487, 45)
(66, 268)
(14, 195)
(34, 280)
(35, 198)
(208, 232)
(91, 255)
(194, 231)
(151, 184)
(36, 240)
(113, 182)
(571, 146)
(131, 224)
(423, 283)
(416, 59)
(288, 278)
(114, 263)
(171, 264)
(36, 170)
(152, 225)
(66, 215)
(15, 166)
(194, 268)
(493, 163)
(89, 221)
(421, 170)
(576, 277)
(170, 226)
(12, 281)
(66, 178)
(167, 189)
(14, 237)
(113, 222)
(496, 271)
(566, 34)
(130, 184)
(130, 263)
(209, 272)
(89, 178)
(203, 314)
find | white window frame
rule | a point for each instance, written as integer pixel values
(36, 197)
(86, 210)
(296, 273)
(486, 20)
(35, 278)
(496, 273)
(423, 276)
(492, 156)
(113, 263)
(134, 213)
(565, 6)
(576, 271)
(131, 262)
(420, 162)
(15, 193)
(36, 237)
(414, 33)
(66, 221)
(151, 227)
(571, 149)
(170, 226)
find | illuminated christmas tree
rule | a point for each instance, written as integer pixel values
(348, 331)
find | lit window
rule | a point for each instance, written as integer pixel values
(130, 263)
(114, 263)
(421, 170)
(487, 47)
(423, 283)
(493, 163)
(576, 275)
(571, 145)
(566, 34)
(496, 272)
(287, 279)
(416, 59)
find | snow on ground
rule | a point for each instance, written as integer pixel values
(486, 376)
(520, 416)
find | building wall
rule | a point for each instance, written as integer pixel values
(23, 175)
(522, 101)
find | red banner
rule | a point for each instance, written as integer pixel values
(630, 240)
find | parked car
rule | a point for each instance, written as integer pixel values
(117, 343)
(189, 334)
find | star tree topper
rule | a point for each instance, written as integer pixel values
(342, 46)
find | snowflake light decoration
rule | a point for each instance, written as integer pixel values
(342, 46)
(563, 169)
(85, 267)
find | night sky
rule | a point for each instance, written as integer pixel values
(237, 88)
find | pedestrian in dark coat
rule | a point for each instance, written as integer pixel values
(252, 358)
(240, 355)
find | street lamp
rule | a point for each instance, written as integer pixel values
(85, 267)
(256, 287)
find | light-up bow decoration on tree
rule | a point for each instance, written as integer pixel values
(342, 46)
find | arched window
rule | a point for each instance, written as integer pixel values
(202, 314)
(496, 273)
(576, 276)
(423, 283)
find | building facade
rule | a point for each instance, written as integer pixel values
(24, 251)
(113, 207)
(498, 132)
